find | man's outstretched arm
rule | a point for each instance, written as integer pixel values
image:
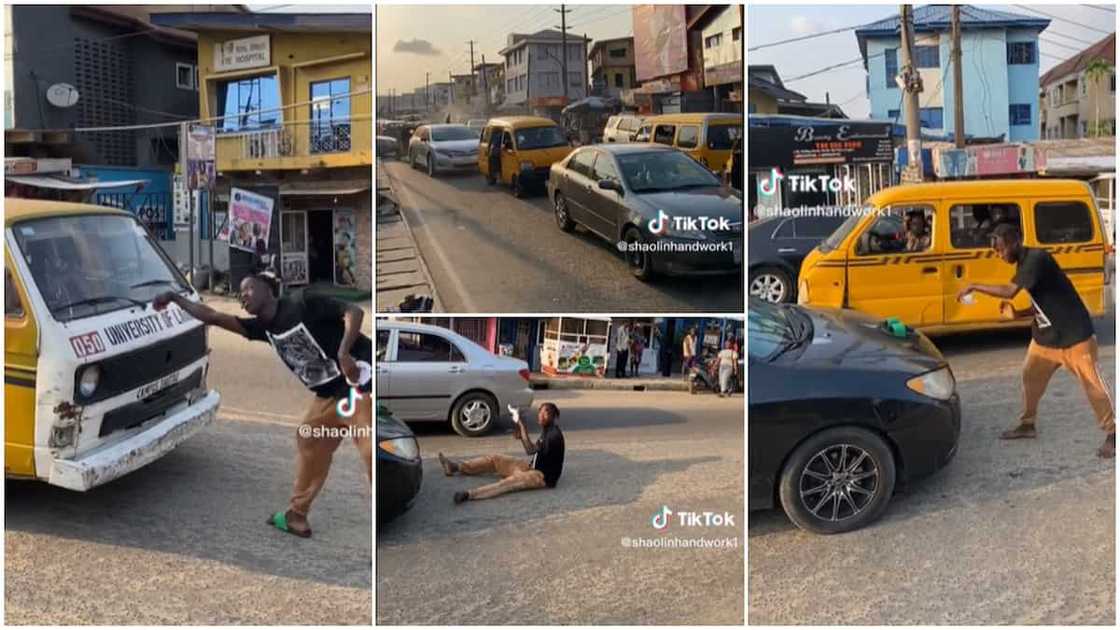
(1003, 291)
(199, 311)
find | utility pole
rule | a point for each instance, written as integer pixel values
(471, 44)
(911, 84)
(564, 47)
(958, 80)
(184, 139)
(451, 83)
(427, 97)
(485, 87)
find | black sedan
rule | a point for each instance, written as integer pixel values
(666, 213)
(777, 247)
(398, 466)
(841, 407)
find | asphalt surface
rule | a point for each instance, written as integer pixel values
(183, 541)
(488, 251)
(557, 556)
(1016, 532)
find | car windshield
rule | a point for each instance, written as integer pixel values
(92, 264)
(458, 132)
(775, 329)
(540, 138)
(659, 171)
(840, 233)
(721, 137)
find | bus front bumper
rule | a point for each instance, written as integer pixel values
(116, 459)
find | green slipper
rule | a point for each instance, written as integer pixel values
(279, 520)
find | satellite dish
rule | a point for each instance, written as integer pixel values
(62, 95)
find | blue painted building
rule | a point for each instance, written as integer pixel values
(999, 63)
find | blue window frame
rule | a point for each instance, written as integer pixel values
(931, 117)
(892, 114)
(240, 101)
(890, 56)
(1020, 114)
(1021, 53)
(927, 57)
(330, 116)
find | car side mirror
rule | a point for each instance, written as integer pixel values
(610, 184)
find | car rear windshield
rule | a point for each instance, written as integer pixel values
(540, 138)
(446, 134)
(659, 171)
(92, 264)
(721, 137)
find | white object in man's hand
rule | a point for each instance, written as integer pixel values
(515, 412)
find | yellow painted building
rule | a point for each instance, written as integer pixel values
(290, 97)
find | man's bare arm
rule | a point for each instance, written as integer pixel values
(523, 435)
(200, 311)
(1002, 291)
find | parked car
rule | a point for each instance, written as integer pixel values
(429, 373)
(399, 469)
(442, 147)
(621, 128)
(618, 190)
(777, 247)
(868, 265)
(477, 124)
(842, 407)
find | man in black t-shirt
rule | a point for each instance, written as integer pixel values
(320, 340)
(541, 471)
(1062, 333)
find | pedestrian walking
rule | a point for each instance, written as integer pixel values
(1062, 333)
(621, 350)
(728, 368)
(637, 349)
(688, 352)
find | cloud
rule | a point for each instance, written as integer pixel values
(417, 47)
(803, 25)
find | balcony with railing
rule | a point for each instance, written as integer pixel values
(297, 145)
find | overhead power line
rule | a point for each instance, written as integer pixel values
(1061, 19)
(1100, 7)
(804, 37)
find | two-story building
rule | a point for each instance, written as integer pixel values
(721, 31)
(999, 68)
(534, 68)
(290, 98)
(1078, 96)
(612, 66)
(491, 80)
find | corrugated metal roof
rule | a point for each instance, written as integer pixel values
(1104, 49)
(937, 18)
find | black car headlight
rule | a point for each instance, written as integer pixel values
(402, 447)
(938, 384)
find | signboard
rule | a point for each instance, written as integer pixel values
(31, 166)
(200, 157)
(548, 101)
(569, 357)
(180, 203)
(250, 217)
(239, 54)
(345, 249)
(988, 160)
(660, 40)
(832, 143)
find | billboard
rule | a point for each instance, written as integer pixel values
(660, 40)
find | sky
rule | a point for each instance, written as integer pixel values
(415, 39)
(309, 8)
(845, 86)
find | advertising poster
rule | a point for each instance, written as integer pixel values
(200, 158)
(345, 249)
(250, 217)
(577, 359)
(660, 40)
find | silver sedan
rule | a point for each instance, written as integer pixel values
(430, 373)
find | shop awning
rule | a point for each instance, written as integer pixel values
(305, 190)
(61, 183)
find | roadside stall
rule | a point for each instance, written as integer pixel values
(575, 346)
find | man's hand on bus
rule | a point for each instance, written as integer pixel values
(161, 301)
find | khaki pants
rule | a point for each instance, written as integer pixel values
(515, 473)
(314, 454)
(1081, 359)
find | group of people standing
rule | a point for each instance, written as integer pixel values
(629, 346)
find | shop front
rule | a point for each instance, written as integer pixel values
(575, 346)
(320, 240)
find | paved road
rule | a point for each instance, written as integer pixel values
(556, 556)
(183, 541)
(1009, 533)
(490, 252)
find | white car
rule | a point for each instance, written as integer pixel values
(621, 128)
(477, 123)
(443, 147)
(432, 373)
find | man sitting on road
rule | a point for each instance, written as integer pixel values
(541, 471)
(1062, 333)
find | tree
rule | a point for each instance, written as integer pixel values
(1096, 71)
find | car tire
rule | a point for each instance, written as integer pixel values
(431, 166)
(640, 263)
(516, 188)
(862, 455)
(771, 284)
(482, 406)
(560, 210)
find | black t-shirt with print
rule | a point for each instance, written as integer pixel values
(549, 458)
(1060, 317)
(306, 333)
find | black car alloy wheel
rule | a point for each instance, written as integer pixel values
(563, 219)
(838, 480)
(640, 261)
